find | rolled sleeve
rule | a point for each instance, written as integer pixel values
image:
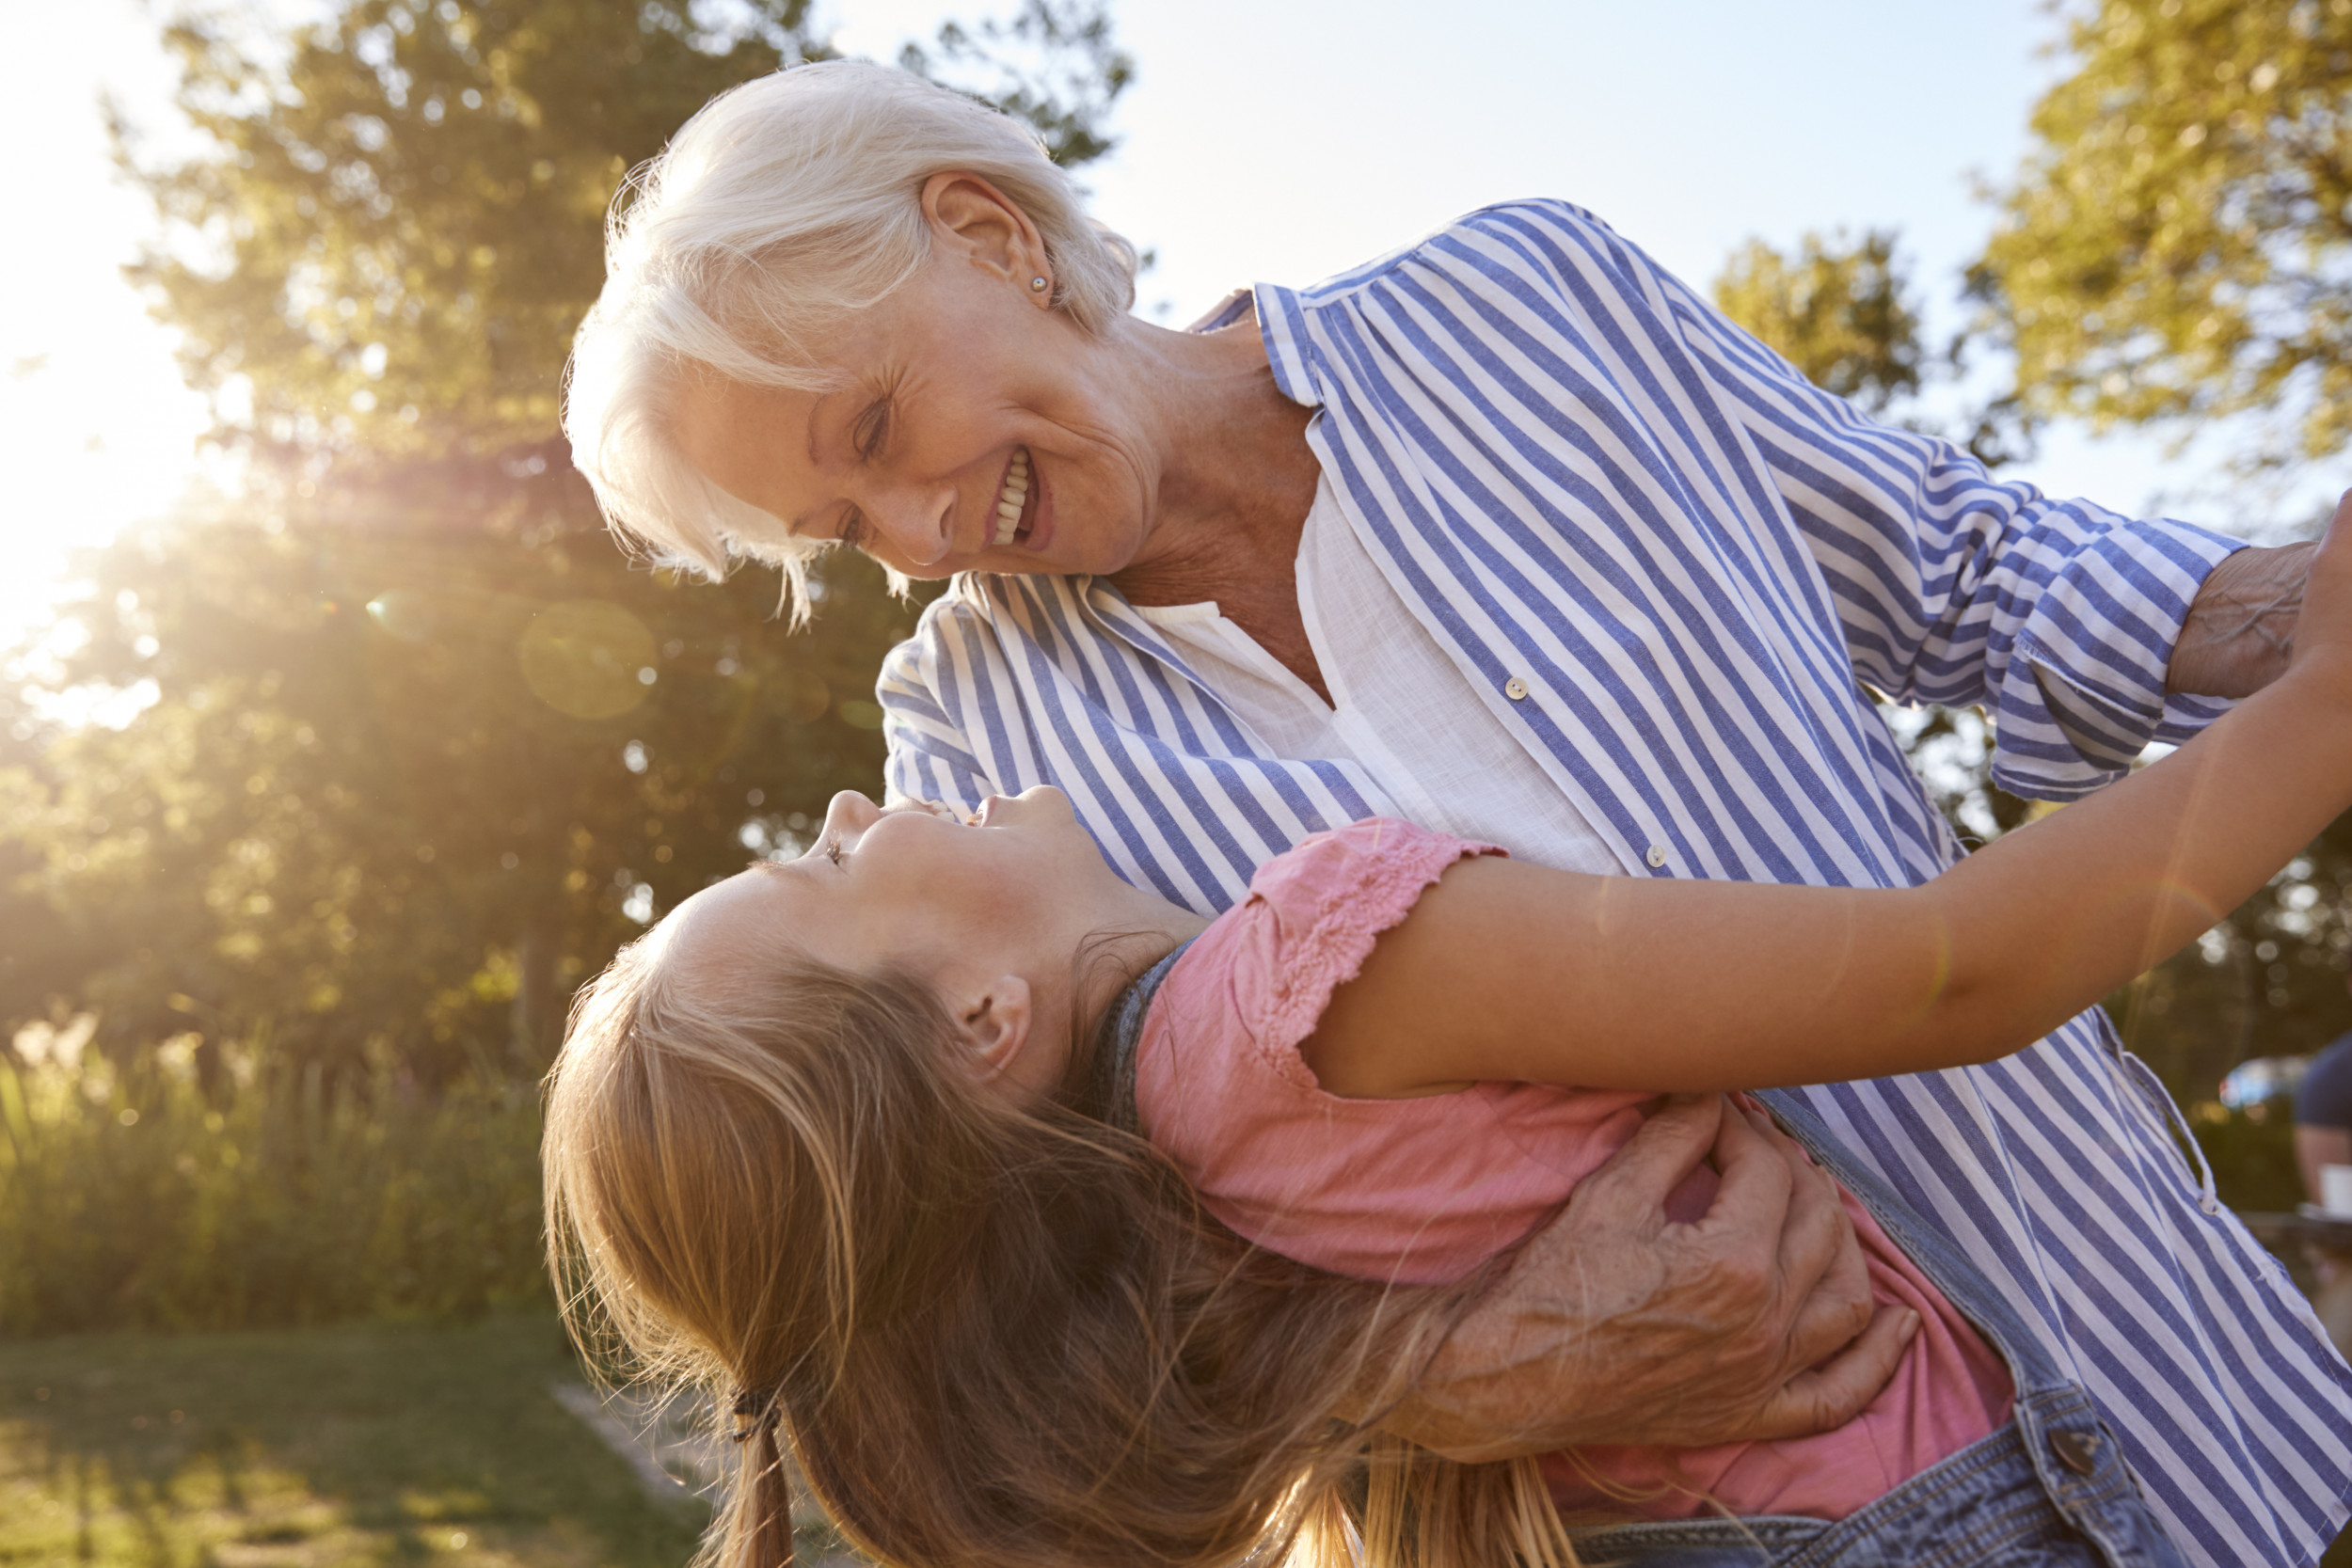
(2081, 692)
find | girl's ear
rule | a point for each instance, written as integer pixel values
(994, 1025)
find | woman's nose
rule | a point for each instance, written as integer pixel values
(916, 524)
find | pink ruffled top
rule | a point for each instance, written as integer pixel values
(1422, 1191)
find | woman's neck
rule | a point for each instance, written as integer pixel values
(1236, 483)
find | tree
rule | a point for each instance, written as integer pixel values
(399, 790)
(1840, 313)
(2178, 242)
(422, 745)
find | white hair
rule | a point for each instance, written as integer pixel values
(784, 205)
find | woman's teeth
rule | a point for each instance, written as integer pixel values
(1011, 498)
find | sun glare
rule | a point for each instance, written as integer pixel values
(97, 430)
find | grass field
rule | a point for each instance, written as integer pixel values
(367, 1444)
(326, 1447)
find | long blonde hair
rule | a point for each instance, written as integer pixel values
(988, 1337)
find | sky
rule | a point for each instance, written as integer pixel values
(1282, 140)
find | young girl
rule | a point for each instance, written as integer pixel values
(1033, 1263)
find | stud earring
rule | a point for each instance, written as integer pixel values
(1037, 285)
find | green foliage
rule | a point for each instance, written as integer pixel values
(2252, 1154)
(2178, 243)
(400, 225)
(129, 1198)
(400, 786)
(1844, 314)
(2268, 981)
(1837, 311)
(347, 1447)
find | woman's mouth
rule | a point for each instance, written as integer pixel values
(1016, 506)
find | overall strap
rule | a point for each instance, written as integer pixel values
(1109, 1092)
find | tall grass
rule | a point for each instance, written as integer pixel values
(131, 1200)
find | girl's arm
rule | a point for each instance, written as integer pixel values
(1512, 971)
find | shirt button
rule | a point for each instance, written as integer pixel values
(1515, 689)
(1657, 856)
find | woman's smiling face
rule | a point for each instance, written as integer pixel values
(972, 427)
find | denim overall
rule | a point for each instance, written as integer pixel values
(2049, 1490)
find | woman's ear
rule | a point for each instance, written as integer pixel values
(994, 1025)
(986, 225)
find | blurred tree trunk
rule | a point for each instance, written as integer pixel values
(537, 1013)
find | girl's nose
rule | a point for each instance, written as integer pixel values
(848, 815)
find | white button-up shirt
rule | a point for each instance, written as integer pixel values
(1399, 707)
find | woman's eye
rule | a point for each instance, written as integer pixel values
(832, 847)
(873, 429)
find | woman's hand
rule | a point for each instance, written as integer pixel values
(2241, 623)
(2248, 618)
(2321, 639)
(1618, 1325)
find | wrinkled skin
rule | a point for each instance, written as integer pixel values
(1616, 1324)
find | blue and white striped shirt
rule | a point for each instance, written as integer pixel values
(1665, 559)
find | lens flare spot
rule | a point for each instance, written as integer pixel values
(586, 657)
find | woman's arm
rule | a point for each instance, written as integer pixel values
(1954, 587)
(1509, 971)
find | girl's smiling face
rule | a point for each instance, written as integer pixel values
(991, 913)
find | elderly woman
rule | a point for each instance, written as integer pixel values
(1510, 533)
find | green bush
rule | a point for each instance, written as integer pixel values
(2251, 1149)
(132, 1199)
